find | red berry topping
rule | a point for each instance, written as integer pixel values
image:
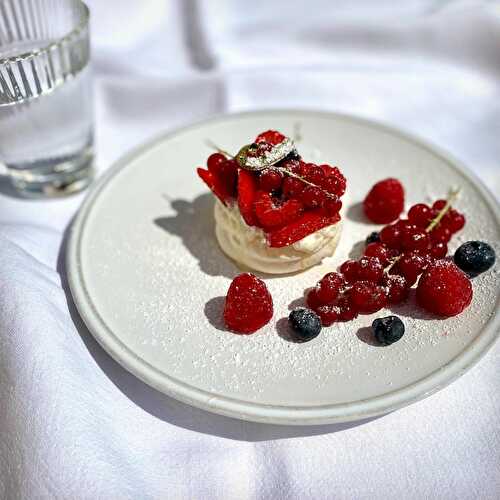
(370, 269)
(249, 305)
(410, 266)
(334, 184)
(440, 234)
(367, 297)
(215, 161)
(329, 287)
(444, 289)
(272, 213)
(222, 187)
(415, 239)
(332, 205)
(312, 197)
(391, 236)
(453, 220)
(420, 215)
(312, 299)
(270, 180)
(292, 187)
(396, 287)
(385, 201)
(439, 250)
(308, 223)
(247, 193)
(314, 173)
(347, 310)
(328, 314)
(439, 205)
(271, 136)
(350, 270)
(378, 250)
(294, 166)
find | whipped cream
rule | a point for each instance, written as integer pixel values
(248, 246)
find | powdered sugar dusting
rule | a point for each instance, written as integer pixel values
(158, 279)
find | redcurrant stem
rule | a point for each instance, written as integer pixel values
(452, 196)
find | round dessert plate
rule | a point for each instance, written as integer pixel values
(149, 279)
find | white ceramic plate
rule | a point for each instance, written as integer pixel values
(148, 279)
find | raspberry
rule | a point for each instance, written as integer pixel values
(368, 297)
(292, 188)
(420, 215)
(332, 205)
(329, 287)
(270, 180)
(370, 269)
(385, 201)
(415, 239)
(271, 214)
(328, 314)
(334, 184)
(396, 287)
(439, 250)
(247, 192)
(410, 266)
(271, 136)
(249, 305)
(350, 270)
(440, 234)
(312, 197)
(444, 289)
(214, 161)
(310, 222)
(391, 236)
(378, 250)
(314, 173)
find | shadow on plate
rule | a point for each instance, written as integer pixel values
(193, 222)
(356, 214)
(174, 412)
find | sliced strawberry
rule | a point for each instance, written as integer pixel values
(272, 213)
(308, 223)
(219, 188)
(247, 191)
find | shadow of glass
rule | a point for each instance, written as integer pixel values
(174, 412)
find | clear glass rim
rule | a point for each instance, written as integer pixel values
(79, 27)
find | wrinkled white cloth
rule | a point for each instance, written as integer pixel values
(75, 425)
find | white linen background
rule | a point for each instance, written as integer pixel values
(75, 425)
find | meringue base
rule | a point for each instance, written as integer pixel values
(248, 246)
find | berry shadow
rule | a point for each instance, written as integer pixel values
(357, 250)
(366, 335)
(410, 309)
(285, 331)
(193, 222)
(355, 213)
(214, 312)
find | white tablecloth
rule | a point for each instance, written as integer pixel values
(75, 425)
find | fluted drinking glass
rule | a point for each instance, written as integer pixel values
(46, 119)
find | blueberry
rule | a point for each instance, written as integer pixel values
(474, 257)
(293, 155)
(388, 330)
(305, 323)
(373, 237)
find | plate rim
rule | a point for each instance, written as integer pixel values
(257, 412)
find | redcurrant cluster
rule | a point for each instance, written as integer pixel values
(392, 262)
